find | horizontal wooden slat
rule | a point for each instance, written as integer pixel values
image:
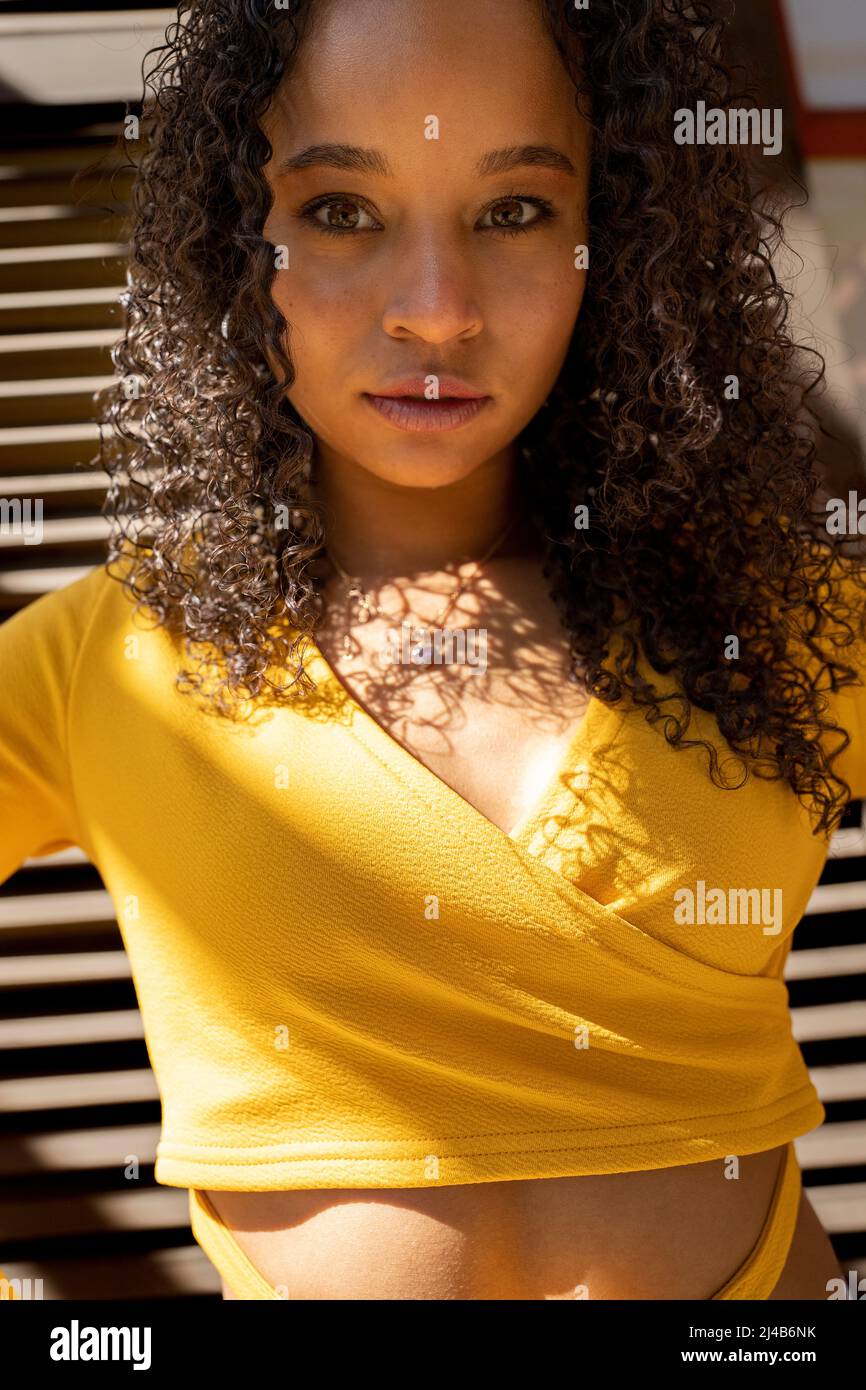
(50, 161)
(47, 270)
(49, 299)
(55, 150)
(75, 309)
(826, 961)
(840, 1207)
(20, 1095)
(34, 485)
(838, 1145)
(50, 449)
(87, 21)
(847, 1020)
(103, 189)
(74, 225)
(39, 212)
(88, 250)
(93, 936)
(844, 1082)
(15, 344)
(77, 1150)
(47, 909)
(32, 406)
(32, 583)
(152, 1209)
(55, 386)
(837, 897)
(59, 531)
(70, 1030)
(63, 967)
(48, 434)
(62, 531)
(31, 357)
(182, 1270)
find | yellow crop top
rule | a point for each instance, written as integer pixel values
(349, 977)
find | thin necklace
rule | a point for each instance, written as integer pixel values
(368, 609)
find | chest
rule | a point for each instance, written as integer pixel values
(493, 731)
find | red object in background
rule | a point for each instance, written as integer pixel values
(839, 134)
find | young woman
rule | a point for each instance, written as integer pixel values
(473, 750)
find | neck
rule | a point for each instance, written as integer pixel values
(375, 528)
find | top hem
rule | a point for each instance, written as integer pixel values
(565, 1153)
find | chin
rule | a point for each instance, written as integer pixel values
(423, 471)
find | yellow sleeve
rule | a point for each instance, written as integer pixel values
(39, 647)
(851, 764)
(849, 704)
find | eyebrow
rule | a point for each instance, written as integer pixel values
(357, 160)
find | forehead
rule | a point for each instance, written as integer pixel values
(373, 72)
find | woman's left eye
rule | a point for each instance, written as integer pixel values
(510, 210)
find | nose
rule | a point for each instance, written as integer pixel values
(431, 291)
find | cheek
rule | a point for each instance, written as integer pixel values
(316, 303)
(315, 292)
(537, 316)
(563, 307)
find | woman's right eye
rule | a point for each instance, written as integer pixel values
(341, 215)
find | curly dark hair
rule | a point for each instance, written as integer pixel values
(704, 511)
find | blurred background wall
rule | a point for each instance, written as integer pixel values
(77, 1097)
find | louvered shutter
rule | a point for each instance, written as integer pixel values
(77, 1094)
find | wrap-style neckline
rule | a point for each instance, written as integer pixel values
(597, 719)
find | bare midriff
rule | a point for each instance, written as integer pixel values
(662, 1234)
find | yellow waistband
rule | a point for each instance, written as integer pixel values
(760, 1273)
(221, 1248)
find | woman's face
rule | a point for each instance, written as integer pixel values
(423, 135)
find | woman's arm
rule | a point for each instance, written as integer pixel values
(40, 647)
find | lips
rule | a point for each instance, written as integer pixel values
(406, 406)
(415, 415)
(418, 388)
